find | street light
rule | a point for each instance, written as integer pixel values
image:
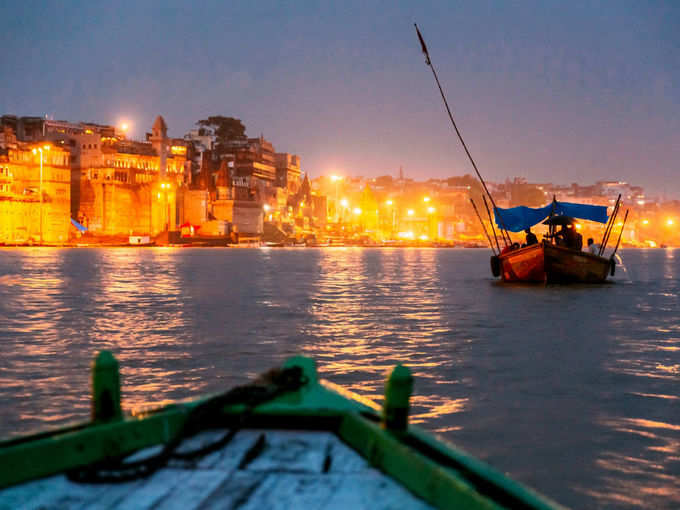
(35, 151)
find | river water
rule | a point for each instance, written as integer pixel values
(573, 390)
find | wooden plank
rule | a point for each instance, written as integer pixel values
(229, 457)
(343, 459)
(292, 450)
(282, 491)
(154, 490)
(371, 490)
(194, 490)
(234, 491)
(55, 492)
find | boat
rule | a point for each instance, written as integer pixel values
(549, 261)
(286, 440)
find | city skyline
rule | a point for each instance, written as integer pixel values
(552, 93)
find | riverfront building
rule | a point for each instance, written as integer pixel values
(35, 192)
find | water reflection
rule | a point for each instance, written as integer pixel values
(372, 309)
(640, 458)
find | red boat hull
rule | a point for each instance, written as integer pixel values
(545, 262)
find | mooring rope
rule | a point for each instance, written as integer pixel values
(268, 386)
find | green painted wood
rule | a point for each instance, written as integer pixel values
(437, 472)
(435, 484)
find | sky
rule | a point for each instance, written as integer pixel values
(570, 91)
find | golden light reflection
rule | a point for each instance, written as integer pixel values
(362, 325)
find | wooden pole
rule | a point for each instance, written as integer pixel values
(485, 231)
(492, 227)
(608, 229)
(620, 234)
(428, 61)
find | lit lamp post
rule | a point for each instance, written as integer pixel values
(35, 151)
(336, 179)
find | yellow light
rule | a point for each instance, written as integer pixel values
(389, 202)
(578, 226)
(410, 212)
(159, 196)
(423, 237)
(302, 204)
(336, 178)
(266, 207)
(35, 151)
(46, 147)
(426, 199)
(357, 210)
(124, 126)
(645, 222)
(431, 210)
(669, 222)
(344, 202)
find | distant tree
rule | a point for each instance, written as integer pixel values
(225, 129)
(527, 194)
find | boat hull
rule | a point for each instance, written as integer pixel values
(549, 263)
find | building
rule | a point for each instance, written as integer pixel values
(35, 192)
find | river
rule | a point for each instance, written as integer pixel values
(573, 390)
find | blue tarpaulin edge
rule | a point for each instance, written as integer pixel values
(516, 219)
(78, 225)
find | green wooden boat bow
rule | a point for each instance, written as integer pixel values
(436, 471)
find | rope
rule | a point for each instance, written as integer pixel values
(268, 386)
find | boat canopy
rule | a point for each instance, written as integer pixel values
(516, 219)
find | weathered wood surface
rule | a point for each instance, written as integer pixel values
(258, 469)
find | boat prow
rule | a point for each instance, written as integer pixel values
(287, 440)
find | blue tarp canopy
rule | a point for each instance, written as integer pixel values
(78, 225)
(516, 219)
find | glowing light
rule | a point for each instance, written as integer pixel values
(336, 178)
(410, 212)
(46, 147)
(179, 150)
(651, 244)
(645, 222)
(389, 202)
(344, 202)
(641, 202)
(669, 222)
(423, 237)
(431, 210)
(159, 196)
(35, 151)
(578, 226)
(357, 210)
(124, 126)
(406, 235)
(426, 199)
(266, 207)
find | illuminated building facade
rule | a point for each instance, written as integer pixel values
(35, 192)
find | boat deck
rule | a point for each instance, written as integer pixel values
(257, 469)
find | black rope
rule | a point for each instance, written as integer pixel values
(206, 415)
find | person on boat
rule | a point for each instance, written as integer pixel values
(531, 237)
(593, 248)
(569, 238)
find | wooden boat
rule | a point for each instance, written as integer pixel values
(547, 262)
(288, 440)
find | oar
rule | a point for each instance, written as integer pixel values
(485, 231)
(620, 234)
(492, 227)
(608, 228)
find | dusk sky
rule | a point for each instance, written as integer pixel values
(551, 91)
